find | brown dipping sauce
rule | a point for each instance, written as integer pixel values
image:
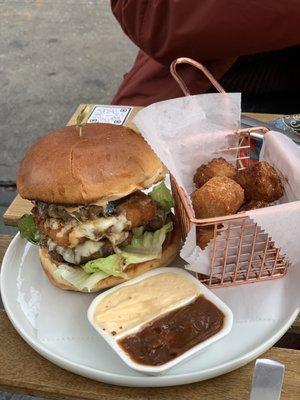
(174, 333)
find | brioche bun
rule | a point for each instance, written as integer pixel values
(106, 163)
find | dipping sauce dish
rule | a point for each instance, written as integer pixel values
(159, 319)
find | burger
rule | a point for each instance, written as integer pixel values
(101, 211)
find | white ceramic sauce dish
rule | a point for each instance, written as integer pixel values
(160, 369)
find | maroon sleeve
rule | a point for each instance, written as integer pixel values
(208, 29)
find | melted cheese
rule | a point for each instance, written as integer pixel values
(52, 223)
(116, 237)
(65, 229)
(75, 255)
(95, 229)
(111, 227)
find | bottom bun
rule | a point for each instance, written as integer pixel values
(169, 253)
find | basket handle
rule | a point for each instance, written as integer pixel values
(196, 64)
(214, 82)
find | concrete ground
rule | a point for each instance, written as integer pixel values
(54, 55)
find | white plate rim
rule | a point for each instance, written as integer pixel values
(128, 380)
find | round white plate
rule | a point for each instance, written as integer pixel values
(21, 285)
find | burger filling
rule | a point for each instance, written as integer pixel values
(101, 239)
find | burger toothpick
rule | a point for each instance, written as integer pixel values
(80, 120)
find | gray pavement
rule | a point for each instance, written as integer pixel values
(54, 54)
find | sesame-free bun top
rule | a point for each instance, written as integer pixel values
(106, 163)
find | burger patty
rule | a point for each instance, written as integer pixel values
(135, 204)
(58, 257)
(135, 210)
(86, 251)
(82, 253)
(76, 257)
(70, 234)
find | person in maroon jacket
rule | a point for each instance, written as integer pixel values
(249, 46)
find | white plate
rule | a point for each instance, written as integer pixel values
(21, 278)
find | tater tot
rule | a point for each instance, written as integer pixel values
(203, 236)
(216, 167)
(217, 197)
(260, 182)
(253, 205)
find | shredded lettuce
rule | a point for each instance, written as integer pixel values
(149, 243)
(28, 229)
(143, 247)
(111, 265)
(78, 278)
(138, 231)
(163, 196)
(147, 246)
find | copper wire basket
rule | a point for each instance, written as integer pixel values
(241, 252)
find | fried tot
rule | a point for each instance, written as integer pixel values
(217, 197)
(216, 167)
(253, 205)
(260, 182)
(203, 236)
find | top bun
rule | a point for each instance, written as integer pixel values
(106, 163)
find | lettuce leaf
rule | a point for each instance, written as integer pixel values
(28, 229)
(149, 242)
(163, 196)
(111, 265)
(143, 247)
(147, 246)
(78, 278)
(138, 231)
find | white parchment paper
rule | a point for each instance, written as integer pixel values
(282, 221)
(281, 152)
(185, 133)
(190, 131)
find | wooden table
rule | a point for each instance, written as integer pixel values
(23, 370)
